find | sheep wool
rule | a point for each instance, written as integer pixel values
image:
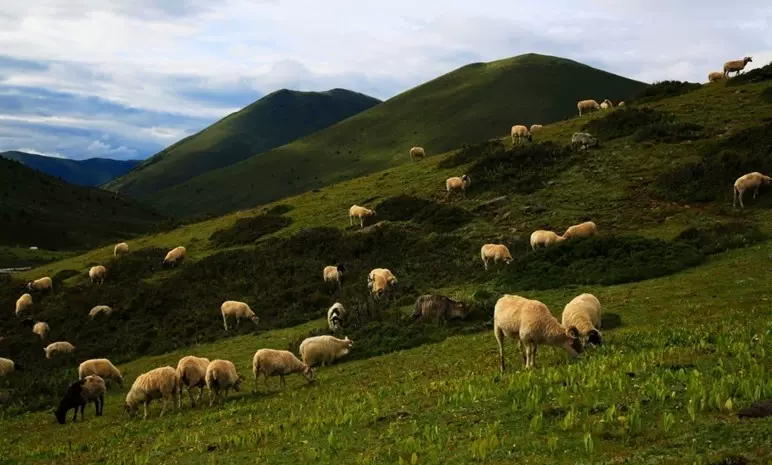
(457, 184)
(379, 281)
(716, 76)
(238, 310)
(41, 328)
(542, 238)
(120, 249)
(736, 65)
(336, 316)
(97, 274)
(7, 366)
(333, 273)
(583, 313)
(748, 181)
(221, 375)
(159, 383)
(360, 213)
(495, 252)
(585, 105)
(518, 133)
(100, 309)
(42, 284)
(536, 127)
(586, 229)
(417, 153)
(175, 255)
(101, 367)
(58, 347)
(191, 371)
(323, 349)
(23, 303)
(583, 140)
(271, 362)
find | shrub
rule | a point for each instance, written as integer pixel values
(431, 215)
(665, 89)
(248, 230)
(669, 132)
(721, 237)
(469, 153)
(766, 95)
(755, 75)
(624, 122)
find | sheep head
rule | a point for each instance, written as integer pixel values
(309, 373)
(593, 337)
(746, 60)
(573, 343)
(237, 384)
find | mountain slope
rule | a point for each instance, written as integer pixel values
(40, 210)
(473, 103)
(90, 172)
(274, 120)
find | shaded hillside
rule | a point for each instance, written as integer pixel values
(89, 172)
(473, 103)
(37, 209)
(274, 120)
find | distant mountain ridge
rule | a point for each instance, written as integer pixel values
(89, 172)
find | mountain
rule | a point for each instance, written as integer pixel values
(274, 120)
(473, 103)
(39, 210)
(90, 172)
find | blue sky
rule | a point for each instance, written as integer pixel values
(125, 78)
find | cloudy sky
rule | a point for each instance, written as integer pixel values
(125, 78)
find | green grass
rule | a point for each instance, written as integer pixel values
(89, 172)
(276, 119)
(13, 257)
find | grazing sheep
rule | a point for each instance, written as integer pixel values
(584, 105)
(41, 328)
(237, 310)
(334, 273)
(42, 284)
(361, 213)
(606, 105)
(159, 383)
(748, 181)
(105, 309)
(120, 249)
(544, 238)
(56, 347)
(518, 133)
(323, 349)
(621, 104)
(456, 184)
(221, 375)
(8, 366)
(439, 307)
(716, 76)
(586, 229)
(271, 362)
(531, 322)
(536, 127)
(101, 367)
(416, 153)
(192, 373)
(379, 280)
(97, 273)
(583, 140)
(495, 252)
(175, 255)
(23, 303)
(736, 65)
(336, 316)
(583, 313)
(89, 389)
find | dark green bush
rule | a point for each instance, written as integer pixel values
(431, 215)
(721, 237)
(755, 75)
(624, 122)
(766, 95)
(669, 133)
(248, 230)
(469, 153)
(665, 89)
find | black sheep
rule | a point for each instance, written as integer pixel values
(78, 395)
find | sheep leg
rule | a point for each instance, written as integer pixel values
(756, 192)
(533, 354)
(163, 406)
(485, 263)
(144, 408)
(500, 340)
(351, 220)
(225, 322)
(283, 383)
(521, 346)
(741, 199)
(190, 395)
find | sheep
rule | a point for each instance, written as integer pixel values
(56, 347)
(606, 105)
(379, 280)
(583, 140)
(715, 76)
(97, 273)
(42, 284)
(41, 328)
(360, 213)
(323, 349)
(174, 256)
(584, 105)
(8, 366)
(586, 229)
(221, 375)
(736, 65)
(334, 273)
(531, 322)
(23, 303)
(89, 389)
(456, 184)
(271, 362)
(495, 252)
(237, 310)
(104, 309)
(101, 367)
(439, 307)
(159, 383)
(336, 316)
(520, 132)
(621, 104)
(536, 127)
(120, 249)
(583, 313)
(747, 181)
(416, 153)
(544, 238)
(191, 371)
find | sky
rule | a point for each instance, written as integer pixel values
(125, 78)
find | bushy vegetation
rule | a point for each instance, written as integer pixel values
(471, 152)
(766, 95)
(664, 89)
(755, 75)
(625, 121)
(248, 230)
(669, 132)
(430, 215)
(721, 237)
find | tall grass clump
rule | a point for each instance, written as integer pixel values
(721, 237)
(665, 89)
(624, 122)
(248, 230)
(471, 152)
(669, 132)
(430, 215)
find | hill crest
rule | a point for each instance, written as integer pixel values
(88, 172)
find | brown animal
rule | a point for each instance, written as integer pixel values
(439, 307)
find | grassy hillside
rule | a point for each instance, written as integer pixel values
(39, 210)
(90, 172)
(473, 103)
(274, 120)
(668, 250)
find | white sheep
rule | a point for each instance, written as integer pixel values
(518, 133)
(175, 255)
(42, 284)
(495, 252)
(323, 349)
(748, 181)
(271, 362)
(191, 371)
(334, 273)
(736, 65)
(360, 213)
(379, 280)
(237, 310)
(416, 153)
(336, 316)
(8, 366)
(41, 328)
(531, 322)
(57, 347)
(120, 249)
(23, 303)
(583, 313)
(621, 104)
(536, 127)
(586, 229)
(606, 105)
(101, 367)
(583, 140)
(100, 309)
(221, 375)
(457, 184)
(584, 105)
(543, 238)
(716, 76)
(97, 273)
(159, 383)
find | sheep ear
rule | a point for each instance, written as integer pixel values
(573, 332)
